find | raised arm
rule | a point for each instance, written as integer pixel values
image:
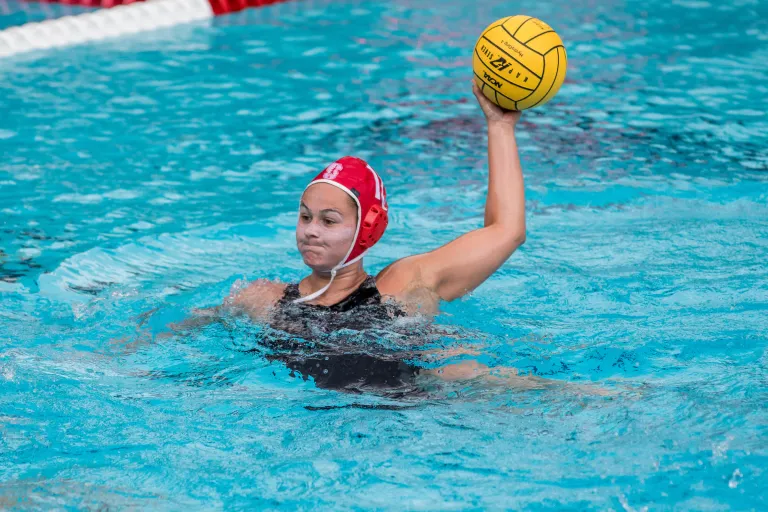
(460, 266)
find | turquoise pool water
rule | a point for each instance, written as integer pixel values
(142, 177)
(14, 13)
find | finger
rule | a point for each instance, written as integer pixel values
(487, 105)
(479, 95)
(475, 89)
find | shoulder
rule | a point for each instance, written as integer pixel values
(257, 298)
(408, 281)
(404, 273)
(396, 276)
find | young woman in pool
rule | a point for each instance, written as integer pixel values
(342, 213)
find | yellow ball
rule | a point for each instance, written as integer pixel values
(519, 62)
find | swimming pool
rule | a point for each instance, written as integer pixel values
(141, 177)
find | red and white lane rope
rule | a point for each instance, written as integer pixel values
(122, 17)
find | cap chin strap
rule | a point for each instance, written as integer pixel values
(324, 289)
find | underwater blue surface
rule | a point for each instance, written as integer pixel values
(141, 177)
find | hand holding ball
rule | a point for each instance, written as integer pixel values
(519, 62)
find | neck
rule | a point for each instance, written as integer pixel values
(347, 280)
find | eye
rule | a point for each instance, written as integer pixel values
(329, 222)
(304, 216)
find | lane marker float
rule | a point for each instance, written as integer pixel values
(117, 18)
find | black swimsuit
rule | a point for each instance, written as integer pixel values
(309, 318)
(343, 364)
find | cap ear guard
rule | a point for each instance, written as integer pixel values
(373, 226)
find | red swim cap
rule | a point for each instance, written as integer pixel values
(355, 177)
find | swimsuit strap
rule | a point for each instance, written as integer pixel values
(366, 293)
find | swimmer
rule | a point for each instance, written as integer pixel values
(343, 213)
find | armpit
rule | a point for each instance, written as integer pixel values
(416, 299)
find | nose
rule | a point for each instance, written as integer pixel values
(311, 229)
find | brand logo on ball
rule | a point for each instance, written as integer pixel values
(332, 171)
(491, 80)
(501, 63)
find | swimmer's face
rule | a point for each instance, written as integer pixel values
(326, 227)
